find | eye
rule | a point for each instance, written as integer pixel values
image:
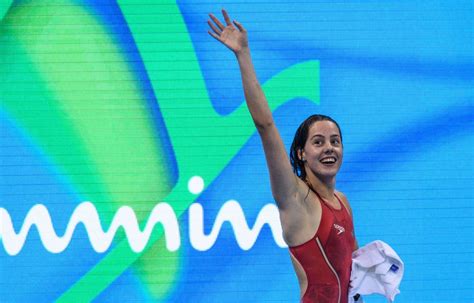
(336, 142)
(317, 142)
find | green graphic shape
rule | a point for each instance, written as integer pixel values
(67, 83)
(4, 6)
(26, 96)
(60, 86)
(203, 141)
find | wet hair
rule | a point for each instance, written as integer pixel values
(299, 142)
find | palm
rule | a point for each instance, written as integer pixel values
(234, 37)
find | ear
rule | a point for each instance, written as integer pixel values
(301, 155)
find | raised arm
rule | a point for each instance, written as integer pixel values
(286, 187)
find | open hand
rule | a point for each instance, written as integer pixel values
(234, 37)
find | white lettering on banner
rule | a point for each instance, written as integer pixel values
(86, 213)
(233, 213)
(125, 217)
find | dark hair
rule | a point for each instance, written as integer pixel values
(299, 142)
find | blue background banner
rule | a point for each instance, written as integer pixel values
(122, 117)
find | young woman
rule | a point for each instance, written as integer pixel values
(316, 219)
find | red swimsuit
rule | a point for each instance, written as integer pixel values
(327, 257)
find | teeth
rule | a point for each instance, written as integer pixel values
(328, 160)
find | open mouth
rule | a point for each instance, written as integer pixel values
(328, 160)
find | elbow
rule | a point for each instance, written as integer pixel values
(264, 125)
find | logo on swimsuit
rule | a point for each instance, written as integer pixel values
(339, 228)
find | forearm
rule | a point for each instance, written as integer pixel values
(254, 96)
(284, 182)
(281, 175)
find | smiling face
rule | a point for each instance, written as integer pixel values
(322, 152)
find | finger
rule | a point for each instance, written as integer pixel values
(239, 26)
(214, 28)
(216, 21)
(226, 17)
(218, 38)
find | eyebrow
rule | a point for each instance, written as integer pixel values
(331, 136)
(317, 135)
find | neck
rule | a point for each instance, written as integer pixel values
(325, 187)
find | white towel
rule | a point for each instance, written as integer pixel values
(376, 268)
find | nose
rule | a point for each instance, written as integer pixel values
(328, 148)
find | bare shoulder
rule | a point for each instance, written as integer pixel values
(298, 200)
(301, 220)
(344, 200)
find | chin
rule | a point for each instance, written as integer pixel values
(327, 173)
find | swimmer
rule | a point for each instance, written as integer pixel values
(315, 217)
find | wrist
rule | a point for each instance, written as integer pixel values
(243, 52)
